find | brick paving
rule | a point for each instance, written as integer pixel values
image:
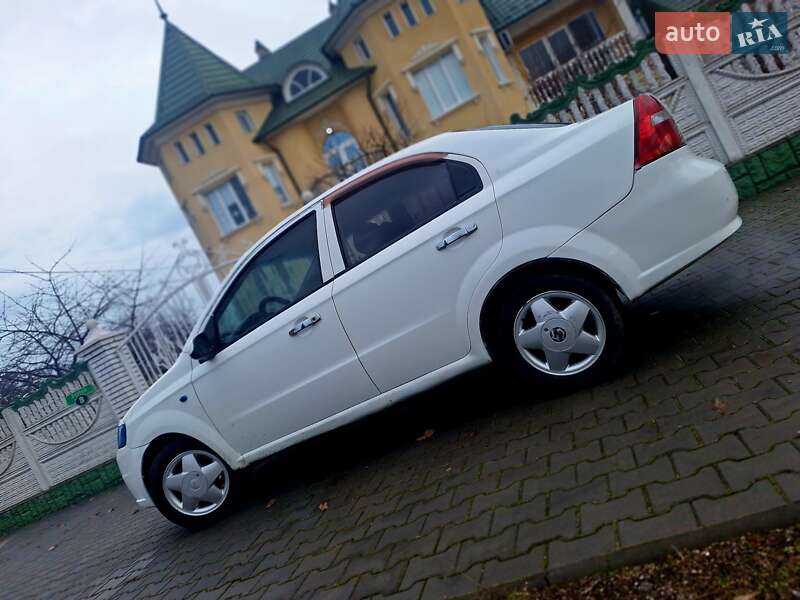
(700, 430)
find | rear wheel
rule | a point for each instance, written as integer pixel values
(191, 485)
(557, 330)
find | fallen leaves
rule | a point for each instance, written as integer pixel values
(53, 547)
(428, 433)
(719, 407)
(750, 596)
(323, 506)
(270, 503)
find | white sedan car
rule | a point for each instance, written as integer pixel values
(516, 244)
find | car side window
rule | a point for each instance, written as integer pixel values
(280, 275)
(377, 215)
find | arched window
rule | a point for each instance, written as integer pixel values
(302, 79)
(343, 154)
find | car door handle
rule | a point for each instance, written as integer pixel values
(305, 324)
(457, 235)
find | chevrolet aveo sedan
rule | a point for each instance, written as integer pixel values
(516, 244)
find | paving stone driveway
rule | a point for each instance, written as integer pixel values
(699, 431)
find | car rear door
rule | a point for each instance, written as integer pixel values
(408, 248)
(285, 362)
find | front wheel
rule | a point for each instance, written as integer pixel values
(560, 331)
(190, 485)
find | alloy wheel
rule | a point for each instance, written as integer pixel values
(196, 483)
(559, 333)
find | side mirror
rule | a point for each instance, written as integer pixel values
(204, 348)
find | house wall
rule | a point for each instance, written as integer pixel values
(236, 155)
(546, 21)
(301, 142)
(452, 21)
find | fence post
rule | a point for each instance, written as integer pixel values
(715, 114)
(17, 427)
(631, 25)
(112, 366)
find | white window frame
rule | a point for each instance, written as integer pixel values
(287, 82)
(245, 121)
(489, 47)
(219, 208)
(272, 174)
(545, 39)
(197, 143)
(422, 72)
(407, 3)
(425, 12)
(389, 14)
(180, 150)
(395, 116)
(362, 49)
(212, 134)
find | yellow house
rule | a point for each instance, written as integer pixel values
(241, 149)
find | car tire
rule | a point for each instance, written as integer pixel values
(191, 485)
(560, 332)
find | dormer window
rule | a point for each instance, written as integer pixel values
(301, 80)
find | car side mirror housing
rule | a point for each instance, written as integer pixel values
(204, 347)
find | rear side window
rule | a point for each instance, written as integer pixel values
(383, 212)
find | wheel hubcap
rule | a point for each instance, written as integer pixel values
(196, 483)
(559, 333)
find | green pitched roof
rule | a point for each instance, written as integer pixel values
(306, 48)
(190, 74)
(502, 13)
(339, 78)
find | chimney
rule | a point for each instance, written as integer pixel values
(261, 50)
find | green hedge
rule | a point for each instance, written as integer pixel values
(83, 486)
(767, 168)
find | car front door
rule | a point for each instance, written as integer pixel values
(412, 246)
(285, 361)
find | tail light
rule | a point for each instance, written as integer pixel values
(656, 132)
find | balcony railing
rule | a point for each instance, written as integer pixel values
(587, 64)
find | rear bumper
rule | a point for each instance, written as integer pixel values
(129, 461)
(681, 207)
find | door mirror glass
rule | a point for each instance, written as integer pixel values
(204, 348)
(205, 345)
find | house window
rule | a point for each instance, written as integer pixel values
(427, 7)
(390, 106)
(181, 152)
(301, 80)
(230, 205)
(271, 173)
(391, 25)
(362, 50)
(489, 49)
(505, 39)
(198, 145)
(212, 134)
(562, 46)
(537, 60)
(586, 31)
(245, 122)
(409, 15)
(343, 154)
(443, 84)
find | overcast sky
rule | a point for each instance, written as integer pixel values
(78, 85)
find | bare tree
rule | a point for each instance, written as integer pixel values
(41, 328)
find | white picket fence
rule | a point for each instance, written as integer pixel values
(727, 106)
